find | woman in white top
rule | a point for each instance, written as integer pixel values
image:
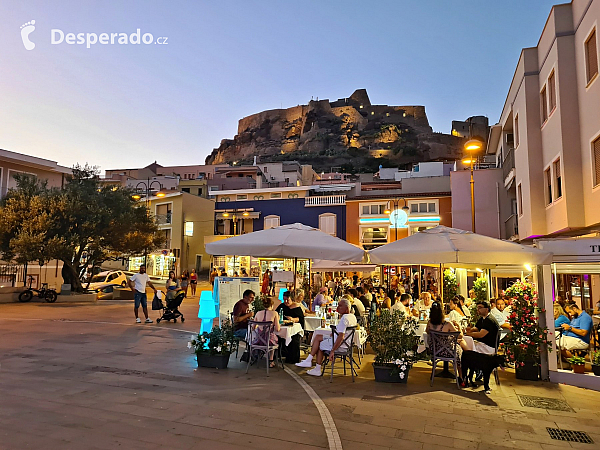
(456, 314)
(268, 315)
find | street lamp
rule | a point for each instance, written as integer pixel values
(147, 186)
(396, 202)
(472, 146)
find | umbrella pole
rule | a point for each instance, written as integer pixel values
(441, 276)
(295, 270)
(310, 281)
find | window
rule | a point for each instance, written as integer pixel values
(596, 160)
(431, 207)
(543, 100)
(200, 191)
(266, 170)
(242, 197)
(278, 195)
(552, 89)
(377, 209)
(516, 131)
(327, 223)
(414, 208)
(271, 222)
(163, 213)
(185, 190)
(371, 238)
(167, 235)
(548, 184)
(591, 57)
(557, 179)
(520, 199)
(423, 207)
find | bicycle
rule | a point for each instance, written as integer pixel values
(47, 294)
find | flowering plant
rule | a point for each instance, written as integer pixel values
(526, 336)
(218, 341)
(393, 338)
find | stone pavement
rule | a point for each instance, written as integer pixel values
(85, 376)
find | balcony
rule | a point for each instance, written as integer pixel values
(508, 163)
(511, 227)
(163, 219)
(325, 200)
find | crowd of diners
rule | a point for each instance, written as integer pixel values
(574, 327)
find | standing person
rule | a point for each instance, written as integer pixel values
(265, 283)
(137, 284)
(193, 282)
(185, 276)
(172, 285)
(318, 280)
(242, 314)
(271, 282)
(214, 274)
(244, 273)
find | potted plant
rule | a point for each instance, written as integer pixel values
(577, 364)
(526, 336)
(480, 287)
(596, 363)
(450, 285)
(393, 338)
(213, 349)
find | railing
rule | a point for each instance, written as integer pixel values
(163, 219)
(511, 226)
(508, 163)
(10, 273)
(325, 200)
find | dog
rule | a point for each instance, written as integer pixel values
(473, 362)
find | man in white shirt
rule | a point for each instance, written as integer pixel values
(498, 313)
(325, 342)
(402, 304)
(137, 284)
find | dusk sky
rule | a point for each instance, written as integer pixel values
(118, 106)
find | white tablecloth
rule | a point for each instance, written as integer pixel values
(287, 331)
(360, 336)
(311, 323)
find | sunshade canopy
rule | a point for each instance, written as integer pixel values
(323, 265)
(443, 245)
(288, 241)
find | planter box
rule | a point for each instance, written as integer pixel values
(596, 369)
(214, 361)
(530, 371)
(389, 373)
(578, 368)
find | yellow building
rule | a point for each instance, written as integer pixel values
(184, 219)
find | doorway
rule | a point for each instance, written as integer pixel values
(198, 263)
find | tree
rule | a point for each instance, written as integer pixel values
(41, 224)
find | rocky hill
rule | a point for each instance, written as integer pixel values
(350, 133)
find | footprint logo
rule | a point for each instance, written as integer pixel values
(26, 30)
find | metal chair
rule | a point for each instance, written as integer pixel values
(345, 355)
(259, 344)
(236, 339)
(496, 377)
(443, 348)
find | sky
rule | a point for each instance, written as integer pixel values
(128, 105)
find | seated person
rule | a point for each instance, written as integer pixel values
(437, 322)
(560, 316)
(320, 300)
(268, 315)
(292, 313)
(402, 304)
(576, 335)
(456, 313)
(424, 303)
(324, 342)
(242, 314)
(356, 303)
(484, 334)
(498, 313)
(299, 299)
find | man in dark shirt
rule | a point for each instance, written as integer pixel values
(242, 314)
(484, 333)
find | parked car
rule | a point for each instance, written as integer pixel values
(103, 279)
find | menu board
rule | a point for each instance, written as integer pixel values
(228, 291)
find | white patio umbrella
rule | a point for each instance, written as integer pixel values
(451, 246)
(323, 265)
(288, 241)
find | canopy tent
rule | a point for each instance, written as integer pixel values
(454, 247)
(323, 265)
(288, 241)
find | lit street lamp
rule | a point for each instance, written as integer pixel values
(147, 186)
(472, 146)
(394, 212)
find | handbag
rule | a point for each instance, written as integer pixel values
(156, 303)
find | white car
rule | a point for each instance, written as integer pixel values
(112, 277)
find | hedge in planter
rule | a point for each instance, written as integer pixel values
(526, 336)
(596, 363)
(213, 349)
(392, 336)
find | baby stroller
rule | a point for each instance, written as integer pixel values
(171, 311)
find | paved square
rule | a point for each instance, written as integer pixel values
(86, 376)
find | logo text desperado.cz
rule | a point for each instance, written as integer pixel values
(89, 39)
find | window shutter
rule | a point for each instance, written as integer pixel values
(596, 158)
(552, 84)
(591, 55)
(327, 224)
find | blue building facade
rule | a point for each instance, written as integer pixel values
(287, 211)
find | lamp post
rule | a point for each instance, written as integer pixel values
(395, 203)
(147, 186)
(472, 146)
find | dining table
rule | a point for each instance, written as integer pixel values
(287, 331)
(360, 336)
